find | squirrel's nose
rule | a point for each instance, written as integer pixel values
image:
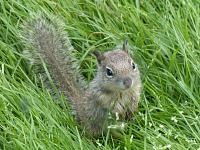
(127, 82)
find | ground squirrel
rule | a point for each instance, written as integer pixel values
(114, 90)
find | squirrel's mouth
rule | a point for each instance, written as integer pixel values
(120, 87)
(125, 87)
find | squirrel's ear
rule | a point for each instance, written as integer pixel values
(125, 45)
(99, 56)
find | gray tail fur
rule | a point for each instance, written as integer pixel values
(47, 40)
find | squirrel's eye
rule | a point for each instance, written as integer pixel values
(109, 72)
(133, 65)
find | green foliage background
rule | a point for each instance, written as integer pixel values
(164, 39)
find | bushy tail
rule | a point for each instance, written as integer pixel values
(48, 40)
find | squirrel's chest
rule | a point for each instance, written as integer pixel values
(117, 103)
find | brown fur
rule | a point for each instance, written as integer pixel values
(106, 95)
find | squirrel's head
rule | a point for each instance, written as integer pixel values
(117, 69)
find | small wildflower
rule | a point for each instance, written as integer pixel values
(131, 139)
(112, 127)
(117, 126)
(191, 141)
(117, 115)
(176, 136)
(181, 112)
(122, 125)
(167, 146)
(98, 143)
(174, 119)
(155, 148)
(169, 132)
(109, 116)
(140, 114)
(161, 126)
(159, 135)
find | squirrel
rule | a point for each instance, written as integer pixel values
(115, 89)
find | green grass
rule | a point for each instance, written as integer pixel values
(164, 38)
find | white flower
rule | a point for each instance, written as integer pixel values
(174, 119)
(140, 114)
(117, 115)
(123, 125)
(131, 139)
(98, 143)
(191, 141)
(159, 135)
(154, 147)
(181, 112)
(112, 126)
(176, 136)
(167, 146)
(161, 126)
(169, 132)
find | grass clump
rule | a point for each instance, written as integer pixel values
(164, 40)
